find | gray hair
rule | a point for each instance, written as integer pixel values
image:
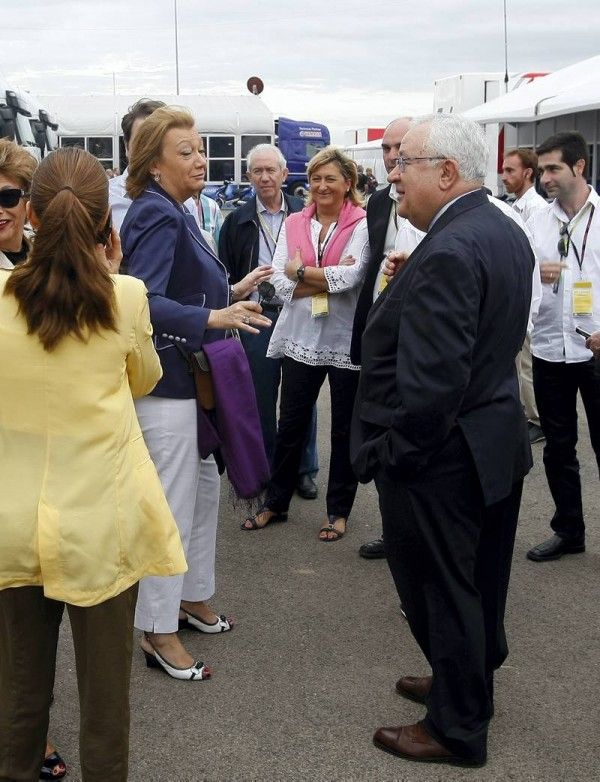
(456, 138)
(260, 149)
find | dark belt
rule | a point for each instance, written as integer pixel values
(269, 307)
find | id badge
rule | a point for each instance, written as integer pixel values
(583, 299)
(383, 283)
(320, 305)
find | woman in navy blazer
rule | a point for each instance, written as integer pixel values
(191, 302)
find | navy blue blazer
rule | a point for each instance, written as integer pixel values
(439, 351)
(163, 246)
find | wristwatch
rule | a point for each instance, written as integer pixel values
(300, 273)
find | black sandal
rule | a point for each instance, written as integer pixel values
(275, 518)
(53, 767)
(330, 528)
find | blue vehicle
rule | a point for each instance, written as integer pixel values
(299, 141)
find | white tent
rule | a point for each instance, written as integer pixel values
(99, 115)
(584, 97)
(530, 102)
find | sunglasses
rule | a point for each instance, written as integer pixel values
(563, 242)
(11, 196)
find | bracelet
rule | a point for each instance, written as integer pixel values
(231, 294)
(300, 273)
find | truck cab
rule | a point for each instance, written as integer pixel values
(14, 121)
(299, 141)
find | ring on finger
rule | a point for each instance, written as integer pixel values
(246, 320)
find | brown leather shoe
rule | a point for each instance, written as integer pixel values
(415, 688)
(412, 742)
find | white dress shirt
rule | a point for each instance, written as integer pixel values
(554, 337)
(321, 341)
(401, 236)
(529, 203)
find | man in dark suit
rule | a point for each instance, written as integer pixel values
(438, 385)
(382, 222)
(247, 240)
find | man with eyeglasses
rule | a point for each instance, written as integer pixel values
(383, 223)
(438, 424)
(248, 239)
(567, 241)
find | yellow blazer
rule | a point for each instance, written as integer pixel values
(82, 510)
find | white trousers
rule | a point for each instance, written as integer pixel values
(525, 372)
(191, 486)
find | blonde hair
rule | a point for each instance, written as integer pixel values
(147, 145)
(16, 163)
(346, 166)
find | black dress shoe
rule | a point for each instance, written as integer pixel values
(555, 547)
(372, 550)
(306, 487)
(536, 434)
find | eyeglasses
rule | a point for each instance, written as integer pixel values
(402, 162)
(11, 196)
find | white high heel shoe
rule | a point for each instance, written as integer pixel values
(197, 672)
(222, 625)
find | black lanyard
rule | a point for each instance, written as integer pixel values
(323, 246)
(584, 243)
(274, 239)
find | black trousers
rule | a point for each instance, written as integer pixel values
(556, 385)
(102, 639)
(450, 557)
(300, 386)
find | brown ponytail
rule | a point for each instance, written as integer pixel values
(63, 288)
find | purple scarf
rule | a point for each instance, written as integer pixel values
(237, 434)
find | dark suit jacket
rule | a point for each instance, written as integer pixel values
(163, 246)
(439, 351)
(378, 217)
(238, 240)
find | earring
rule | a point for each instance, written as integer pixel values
(156, 177)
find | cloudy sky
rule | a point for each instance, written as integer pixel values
(349, 64)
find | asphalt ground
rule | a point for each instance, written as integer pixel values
(308, 673)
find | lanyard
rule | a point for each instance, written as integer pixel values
(323, 245)
(264, 227)
(585, 236)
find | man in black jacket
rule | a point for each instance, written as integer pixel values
(248, 238)
(438, 385)
(382, 222)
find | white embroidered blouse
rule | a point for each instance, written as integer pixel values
(323, 341)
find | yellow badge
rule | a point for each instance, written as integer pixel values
(320, 305)
(383, 282)
(583, 300)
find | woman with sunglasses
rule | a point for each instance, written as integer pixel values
(83, 515)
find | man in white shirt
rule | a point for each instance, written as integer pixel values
(518, 175)
(566, 236)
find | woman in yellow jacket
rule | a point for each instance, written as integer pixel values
(83, 516)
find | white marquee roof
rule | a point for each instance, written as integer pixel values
(572, 89)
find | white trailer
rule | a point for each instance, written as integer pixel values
(230, 125)
(369, 155)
